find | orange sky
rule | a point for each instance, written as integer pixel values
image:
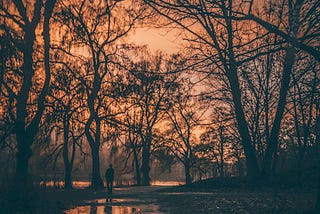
(160, 39)
(156, 39)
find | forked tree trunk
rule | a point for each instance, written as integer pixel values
(24, 135)
(251, 160)
(273, 140)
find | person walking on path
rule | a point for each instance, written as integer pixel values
(109, 178)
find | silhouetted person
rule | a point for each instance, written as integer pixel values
(109, 178)
(108, 209)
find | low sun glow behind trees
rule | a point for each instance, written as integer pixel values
(234, 89)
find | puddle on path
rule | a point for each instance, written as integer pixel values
(100, 206)
(188, 193)
(109, 209)
(113, 200)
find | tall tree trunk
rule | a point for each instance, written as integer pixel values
(136, 164)
(222, 141)
(274, 135)
(294, 8)
(94, 142)
(251, 160)
(239, 166)
(253, 170)
(65, 154)
(22, 161)
(298, 137)
(26, 130)
(187, 172)
(67, 176)
(96, 181)
(145, 168)
(24, 136)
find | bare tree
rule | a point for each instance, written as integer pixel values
(218, 32)
(97, 29)
(307, 12)
(152, 85)
(67, 113)
(184, 114)
(304, 96)
(133, 142)
(221, 39)
(20, 24)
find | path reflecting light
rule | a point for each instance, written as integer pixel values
(110, 209)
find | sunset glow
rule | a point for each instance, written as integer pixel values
(157, 39)
(159, 106)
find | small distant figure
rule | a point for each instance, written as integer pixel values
(108, 209)
(109, 178)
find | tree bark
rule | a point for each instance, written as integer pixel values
(96, 181)
(24, 138)
(94, 142)
(287, 36)
(67, 177)
(22, 161)
(251, 160)
(253, 170)
(187, 172)
(274, 135)
(222, 141)
(26, 130)
(136, 163)
(67, 163)
(145, 168)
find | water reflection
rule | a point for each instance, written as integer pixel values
(83, 184)
(166, 183)
(188, 193)
(114, 200)
(116, 206)
(110, 209)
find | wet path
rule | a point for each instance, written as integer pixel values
(123, 201)
(155, 199)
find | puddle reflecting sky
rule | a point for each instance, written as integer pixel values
(100, 206)
(109, 209)
(113, 200)
(188, 193)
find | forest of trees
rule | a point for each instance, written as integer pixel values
(243, 89)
